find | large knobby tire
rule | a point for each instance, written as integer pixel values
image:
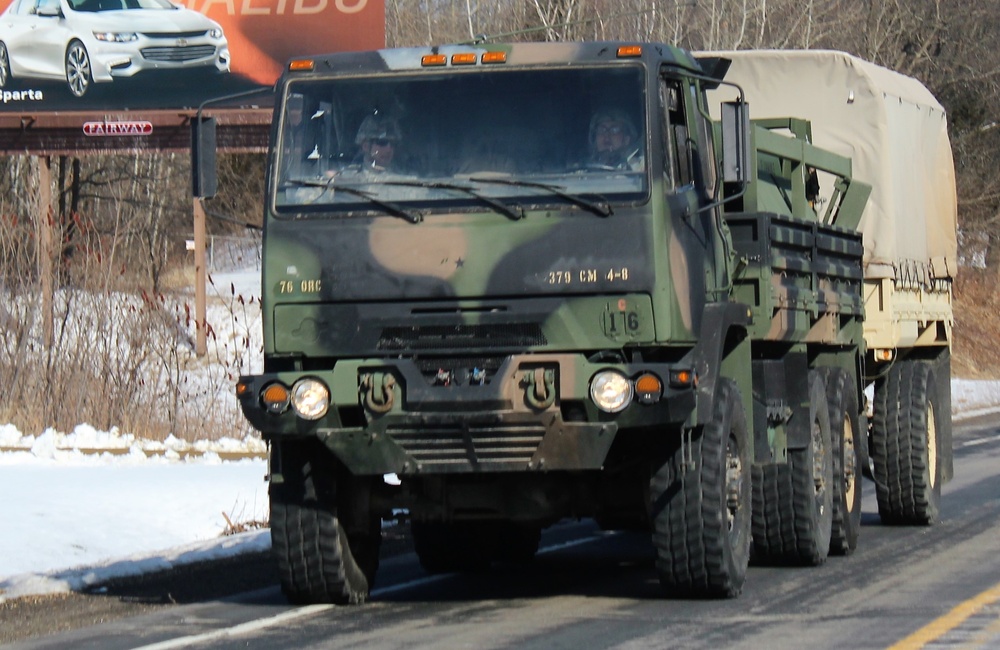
(793, 501)
(847, 439)
(319, 561)
(905, 444)
(700, 505)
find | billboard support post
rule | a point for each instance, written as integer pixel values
(200, 274)
(46, 265)
(204, 180)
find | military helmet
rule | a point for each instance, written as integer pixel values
(378, 127)
(613, 115)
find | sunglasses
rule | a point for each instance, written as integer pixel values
(609, 130)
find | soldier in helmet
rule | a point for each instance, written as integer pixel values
(614, 142)
(377, 139)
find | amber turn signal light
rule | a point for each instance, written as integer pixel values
(682, 378)
(276, 398)
(883, 354)
(648, 388)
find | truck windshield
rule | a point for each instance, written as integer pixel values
(500, 140)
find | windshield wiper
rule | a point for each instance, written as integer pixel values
(499, 206)
(601, 208)
(387, 206)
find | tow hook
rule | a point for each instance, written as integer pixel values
(539, 388)
(377, 390)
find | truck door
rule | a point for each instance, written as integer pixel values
(688, 173)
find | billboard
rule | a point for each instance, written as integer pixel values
(83, 55)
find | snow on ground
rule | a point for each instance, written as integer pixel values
(73, 519)
(971, 398)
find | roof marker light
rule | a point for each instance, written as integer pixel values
(626, 51)
(429, 60)
(494, 57)
(301, 65)
(463, 58)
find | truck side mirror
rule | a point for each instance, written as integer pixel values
(736, 142)
(204, 181)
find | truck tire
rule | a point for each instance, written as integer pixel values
(793, 501)
(318, 560)
(905, 444)
(847, 440)
(700, 505)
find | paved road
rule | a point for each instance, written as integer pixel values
(905, 587)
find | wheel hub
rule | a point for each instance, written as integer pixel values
(734, 483)
(849, 460)
(819, 455)
(931, 444)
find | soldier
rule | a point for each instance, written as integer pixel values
(377, 139)
(614, 142)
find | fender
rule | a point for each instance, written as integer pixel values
(723, 324)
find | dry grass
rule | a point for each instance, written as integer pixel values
(239, 522)
(976, 353)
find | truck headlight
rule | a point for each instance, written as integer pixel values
(310, 399)
(611, 391)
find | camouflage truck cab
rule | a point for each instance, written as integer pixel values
(509, 284)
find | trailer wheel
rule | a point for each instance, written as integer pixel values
(319, 561)
(847, 441)
(905, 444)
(793, 501)
(700, 505)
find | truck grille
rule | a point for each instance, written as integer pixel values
(446, 445)
(461, 369)
(178, 54)
(458, 337)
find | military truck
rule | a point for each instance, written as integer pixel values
(505, 285)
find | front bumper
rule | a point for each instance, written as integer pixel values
(532, 414)
(114, 60)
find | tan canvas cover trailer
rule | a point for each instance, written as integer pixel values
(896, 134)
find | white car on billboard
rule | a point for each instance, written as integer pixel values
(86, 41)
